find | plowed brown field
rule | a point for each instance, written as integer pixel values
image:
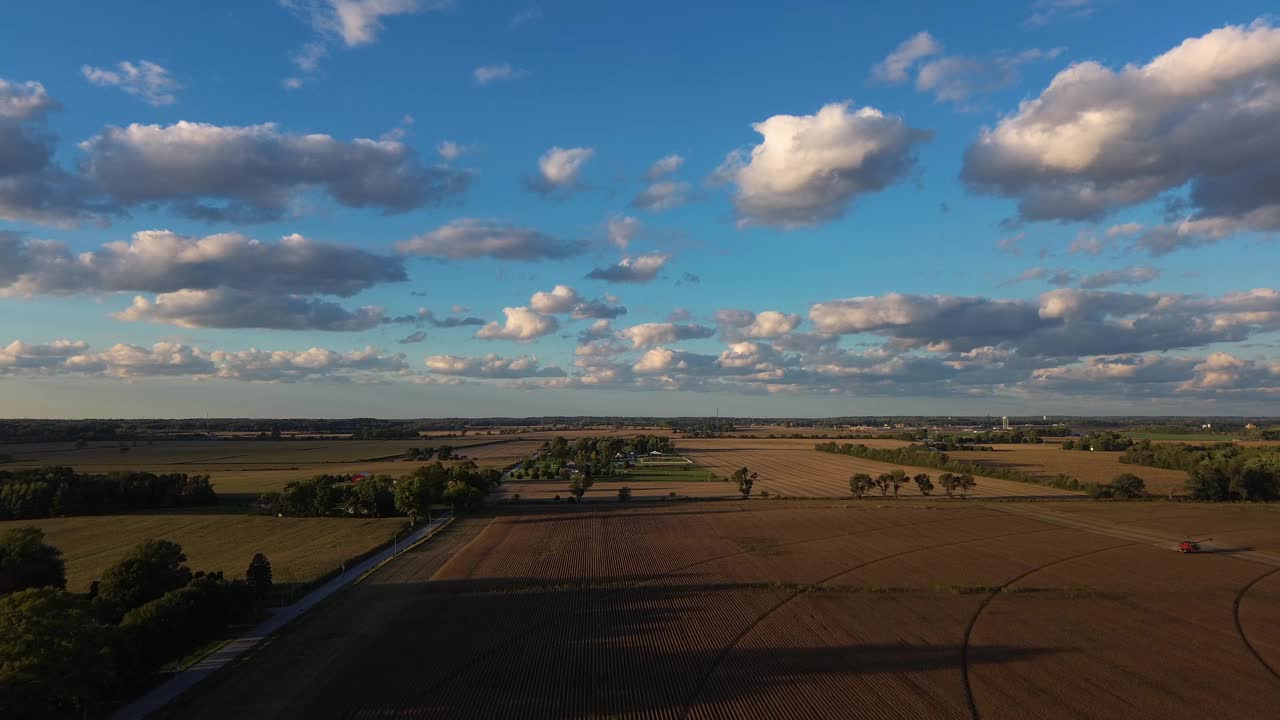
(792, 610)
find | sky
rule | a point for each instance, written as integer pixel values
(416, 208)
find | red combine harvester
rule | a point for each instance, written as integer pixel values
(1191, 546)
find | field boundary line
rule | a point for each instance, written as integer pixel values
(725, 652)
(1235, 613)
(973, 620)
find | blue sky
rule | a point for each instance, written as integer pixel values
(1062, 206)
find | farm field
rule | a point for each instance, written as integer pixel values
(1049, 459)
(256, 466)
(792, 468)
(805, 609)
(300, 549)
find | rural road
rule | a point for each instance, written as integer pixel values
(179, 683)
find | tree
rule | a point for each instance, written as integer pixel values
(26, 561)
(965, 483)
(924, 483)
(859, 484)
(624, 494)
(579, 485)
(55, 657)
(444, 452)
(948, 483)
(745, 480)
(897, 479)
(883, 481)
(372, 497)
(258, 576)
(1128, 485)
(413, 497)
(1259, 478)
(148, 571)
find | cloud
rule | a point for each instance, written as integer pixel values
(412, 338)
(559, 169)
(1011, 244)
(1123, 276)
(163, 261)
(223, 308)
(1065, 323)
(491, 366)
(649, 335)
(525, 16)
(1045, 12)
(896, 67)
(32, 187)
(665, 360)
(19, 356)
(1097, 140)
(486, 74)
(430, 318)
(357, 22)
(521, 324)
(564, 299)
(561, 299)
(621, 230)
(309, 365)
(144, 80)
(663, 167)
(470, 238)
(738, 324)
(809, 168)
(688, 278)
(662, 195)
(638, 269)
(450, 150)
(253, 173)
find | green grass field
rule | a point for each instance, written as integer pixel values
(300, 549)
(664, 473)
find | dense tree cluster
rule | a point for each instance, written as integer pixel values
(598, 456)
(1105, 441)
(65, 654)
(1122, 487)
(60, 491)
(463, 486)
(1224, 471)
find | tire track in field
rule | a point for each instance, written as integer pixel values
(724, 653)
(973, 620)
(1235, 612)
(536, 628)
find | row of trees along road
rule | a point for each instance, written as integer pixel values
(28, 493)
(65, 654)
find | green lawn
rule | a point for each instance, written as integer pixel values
(685, 473)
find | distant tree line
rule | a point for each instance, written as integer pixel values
(1105, 441)
(73, 654)
(61, 491)
(462, 486)
(917, 456)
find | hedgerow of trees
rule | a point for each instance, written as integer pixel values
(64, 654)
(914, 455)
(61, 491)
(463, 486)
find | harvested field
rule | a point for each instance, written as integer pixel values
(794, 471)
(300, 549)
(1050, 459)
(807, 609)
(256, 466)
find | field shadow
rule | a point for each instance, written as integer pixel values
(632, 645)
